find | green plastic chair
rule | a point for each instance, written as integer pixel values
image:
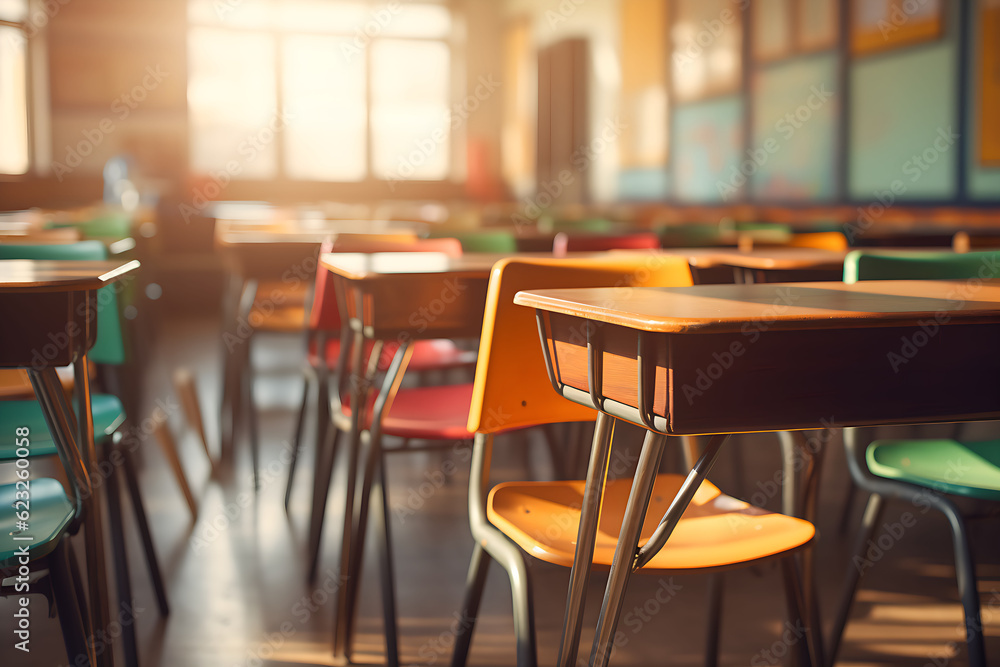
(108, 415)
(54, 517)
(484, 240)
(592, 225)
(922, 471)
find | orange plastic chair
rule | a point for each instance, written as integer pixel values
(820, 240)
(541, 519)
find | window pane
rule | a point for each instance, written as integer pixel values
(231, 102)
(232, 13)
(14, 10)
(433, 21)
(410, 122)
(323, 16)
(324, 96)
(13, 103)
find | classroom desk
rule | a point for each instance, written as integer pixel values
(396, 297)
(50, 309)
(722, 359)
(280, 250)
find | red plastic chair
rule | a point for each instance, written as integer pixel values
(564, 242)
(324, 349)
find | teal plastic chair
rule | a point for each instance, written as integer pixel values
(108, 415)
(922, 471)
(53, 518)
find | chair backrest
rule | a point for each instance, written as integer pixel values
(325, 312)
(485, 240)
(564, 242)
(109, 348)
(821, 240)
(512, 388)
(931, 265)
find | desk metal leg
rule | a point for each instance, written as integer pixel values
(61, 423)
(628, 557)
(625, 552)
(374, 460)
(590, 517)
(97, 569)
(341, 647)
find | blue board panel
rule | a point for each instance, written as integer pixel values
(708, 138)
(794, 130)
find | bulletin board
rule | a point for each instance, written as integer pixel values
(881, 25)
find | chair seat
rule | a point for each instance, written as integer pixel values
(428, 355)
(51, 512)
(279, 319)
(427, 413)
(108, 416)
(970, 469)
(716, 530)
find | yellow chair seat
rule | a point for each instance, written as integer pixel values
(717, 530)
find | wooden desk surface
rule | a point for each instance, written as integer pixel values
(19, 275)
(769, 259)
(372, 266)
(727, 308)
(230, 233)
(772, 357)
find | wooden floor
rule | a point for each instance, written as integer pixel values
(237, 585)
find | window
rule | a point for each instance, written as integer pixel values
(13, 87)
(315, 90)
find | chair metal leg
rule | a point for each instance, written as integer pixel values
(803, 648)
(475, 582)
(326, 456)
(716, 588)
(120, 556)
(854, 571)
(380, 500)
(300, 421)
(68, 606)
(251, 415)
(590, 513)
(502, 550)
(625, 552)
(965, 573)
(142, 520)
(78, 588)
